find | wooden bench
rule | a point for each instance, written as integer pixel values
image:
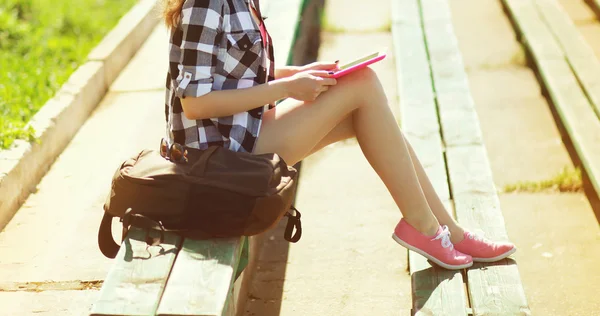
(569, 71)
(439, 118)
(185, 276)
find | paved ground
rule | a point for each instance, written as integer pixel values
(557, 234)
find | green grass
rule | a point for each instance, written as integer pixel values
(567, 180)
(41, 43)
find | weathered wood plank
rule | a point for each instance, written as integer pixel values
(435, 291)
(532, 31)
(494, 289)
(244, 258)
(579, 53)
(570, 102)
(201, 277)
(476, 209)
(406, 12)
(587, 71)
(472, 186)
(563, 29)
(575, 112)
(136, 280)
(586, 68)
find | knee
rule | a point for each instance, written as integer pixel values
(363, 83)
(365, 76)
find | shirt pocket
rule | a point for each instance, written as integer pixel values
(244, 54)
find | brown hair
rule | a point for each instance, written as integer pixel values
(171, 12)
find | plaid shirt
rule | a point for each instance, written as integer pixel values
(217, 46)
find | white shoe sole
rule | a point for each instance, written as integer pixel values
(494, 259)
(430, 257)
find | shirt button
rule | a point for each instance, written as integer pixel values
(245, 45)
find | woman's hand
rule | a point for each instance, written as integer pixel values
(289, 71)
(308, 85)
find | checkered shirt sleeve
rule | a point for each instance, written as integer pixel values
(201, 21)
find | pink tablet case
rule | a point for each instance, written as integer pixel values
(358, 66)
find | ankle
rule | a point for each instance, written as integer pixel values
(457, 233)
(427, 228)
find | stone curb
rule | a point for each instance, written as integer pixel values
(57, 122)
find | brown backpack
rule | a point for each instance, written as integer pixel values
(215, 193)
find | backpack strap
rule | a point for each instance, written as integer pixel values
(293, 222)
(107, 244)
(138, 220)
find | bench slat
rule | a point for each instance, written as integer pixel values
(494, 289)
(472, 187)
(201, 278)
(586, 68)
(531, 30)
(571, 104)
(564, 30)
(580, 121)
(434, 290)
(579, 53)
(137, 278)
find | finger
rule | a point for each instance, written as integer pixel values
(328, 81)
(337, 66)
(320, 73)
(320, 90)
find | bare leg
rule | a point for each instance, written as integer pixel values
(436, 205)
(345, 130)
(294, 128)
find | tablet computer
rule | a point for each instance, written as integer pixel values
(358, 64)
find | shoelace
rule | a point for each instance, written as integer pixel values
(445, 237)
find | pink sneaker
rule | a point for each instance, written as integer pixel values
(436, 248)
(484, 250)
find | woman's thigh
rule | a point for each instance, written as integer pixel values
(294, 129)
(342, 131)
